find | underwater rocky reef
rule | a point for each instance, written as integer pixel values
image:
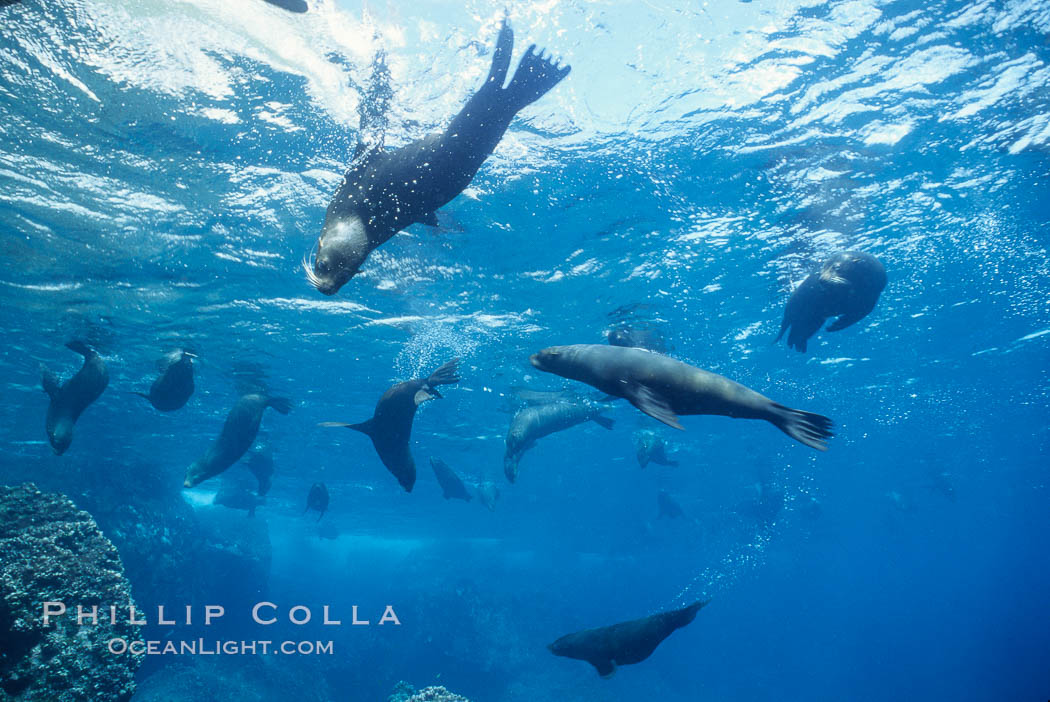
(403, 692)
(50, 551)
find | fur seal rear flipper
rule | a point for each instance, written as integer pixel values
(237, 436)
(665, 388)
(451, 485)
(384, 192)
(70, 400)
(624, 643)
(391, 425)
(847, 286)
(173, 388)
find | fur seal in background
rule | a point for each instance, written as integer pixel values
(847, 286)
(391, 425)
(173, 388)
(260, 464)
(451, 486)
(237, 497)
(237, 436)
(488, 493)
(297, 6)
(624, 643)
(667, 506)
(534, 422)
(69, 400)
(317, 499)
(650, 447)
(664, 388)
(635, 337)
(385, 191)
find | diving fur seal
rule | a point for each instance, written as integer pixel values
(68, 401)
(237, 436)
(537, 421)
(451, 485)
(385, 191)
(624, 643)
(847, 286)
(174, 386)
(664, 388)
(391, 424)
(317, 499)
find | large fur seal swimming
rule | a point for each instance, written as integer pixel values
(452, 488)
(69, 400)
(848, 287)
(384, 192)
(391, 425)
(664, 388)
(624, 643)
(174, 386)
(237, 436)
(537, 421)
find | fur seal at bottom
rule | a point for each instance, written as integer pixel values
(624, 643)
(391, 424)
(237, 436)
(664, 388)
(68, 401)
(848, 287)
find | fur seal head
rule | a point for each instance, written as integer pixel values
(341, 251)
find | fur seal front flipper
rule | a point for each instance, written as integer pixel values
(70, 400)
(391, 424)
(383, 192)
(237, 436)
(665, 388)
(624, 643)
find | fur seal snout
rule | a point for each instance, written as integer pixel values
(847, 286)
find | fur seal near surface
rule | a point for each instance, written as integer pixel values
(68, 401)
(237, 436)
(384, 192)
(624, 643)
(451, 486)
(664, 388)
(650, 447)
(847, 286)
(317, 499)
(174, 386)
(297, 6)
(534, 422)
(391, 424)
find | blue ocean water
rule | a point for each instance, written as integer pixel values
(165, 168)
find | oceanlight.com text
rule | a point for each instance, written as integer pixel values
(202, 647)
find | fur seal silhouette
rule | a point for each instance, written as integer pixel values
(317, 499)
(848, 287)
(451, 486)
(237, 497)
(624, 643)
(68, 401)
(664, 388)
(488, 493)
(237, 436)
(391, 425)
(385, 191)
(173, 388)
(636, 337)
(260, 464)
(667, 506)
(650, 447)
(534, 422)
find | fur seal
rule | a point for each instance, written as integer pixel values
(385, 191)
(68, 401)
(237, 497)
(624, 643)
(317, 499)
(488, 493)
(650, 447)
(536, 421)
(847, 286)
(174, 386)
(636, 337)
(664, 388)
(260, 464)
(667, 506)
(237, 436)
(451, 486)
(391, 424)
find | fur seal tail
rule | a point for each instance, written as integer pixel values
(281, 404)
(501, 57)
(811, 429)
(535, 76)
